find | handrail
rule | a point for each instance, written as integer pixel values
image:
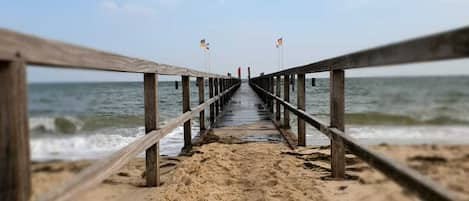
(442, 46)
(17, 50)
(403, 175)
(102, 169)
(38, 51)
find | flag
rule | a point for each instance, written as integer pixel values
(279, 42)
(203, 45)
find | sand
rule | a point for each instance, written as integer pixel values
(235, 170)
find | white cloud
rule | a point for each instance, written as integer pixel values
(126, 8)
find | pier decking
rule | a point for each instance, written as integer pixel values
(241, 140)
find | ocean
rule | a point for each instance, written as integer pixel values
(72, 121)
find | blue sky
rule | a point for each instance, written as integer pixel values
(240, 32)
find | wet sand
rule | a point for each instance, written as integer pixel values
(227, 168)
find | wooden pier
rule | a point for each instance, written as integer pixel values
(238, 112)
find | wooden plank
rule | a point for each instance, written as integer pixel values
(286, 98)
(212, 106)
(15, 176)
(152, 154)
(100, 170)
(300, 101)
(38, 51)
(401, 174)
(404, 176)
(277, 103)
(200, 81)
(337, 107)
(451, 44)
(186, 106)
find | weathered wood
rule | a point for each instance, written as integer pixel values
(452, 44)
(102, 169)
(212, 106)
(406, 177)
(401, 174)
(220, 85)
(277, 103)
(51, 53)
(152, 154)
(316, 123)
(271, 90)
(15, 178)
(217, 103)
(337, 107)
(186, 106)
(286, 98)
(200, 81)
(300, 101)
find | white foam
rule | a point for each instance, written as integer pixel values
(98, 145)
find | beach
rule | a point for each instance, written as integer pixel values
(229, 169)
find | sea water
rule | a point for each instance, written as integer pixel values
(71, 121)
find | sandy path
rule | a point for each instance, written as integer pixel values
(229, 166)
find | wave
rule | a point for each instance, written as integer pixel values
(376, 118)
(99, 144)
(72, 125)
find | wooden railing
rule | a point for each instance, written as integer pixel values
(448, 45)
(18, 50)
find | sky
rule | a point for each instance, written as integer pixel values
(240, 32)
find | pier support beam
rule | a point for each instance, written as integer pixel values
(15, 176)
(186, 106)
(200, 82)
(337, 104)
(300, 100)
(271, 90)
(212, 106)
(152, 154)
(217, 102)
(286, 97)
(277, 93)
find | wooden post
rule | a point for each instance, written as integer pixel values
(152, 154)
(15, 176)
(271, 90)
(212, 106)
(220, 85)
(217, 102)
(277, 104)
(186, 106)
(300, 100)
(337, 104)
(292, 82)
(200, 81)
(286, 97)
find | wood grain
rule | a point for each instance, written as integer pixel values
(212, 106)
(200, 81)
(286, 98)
(277, 103)
(300, 101)
(43, 52)
(186, 106)
(451, 44)
(15, 181)
(152, 154)
(102, 169)
(337, 107)
(404, 176)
